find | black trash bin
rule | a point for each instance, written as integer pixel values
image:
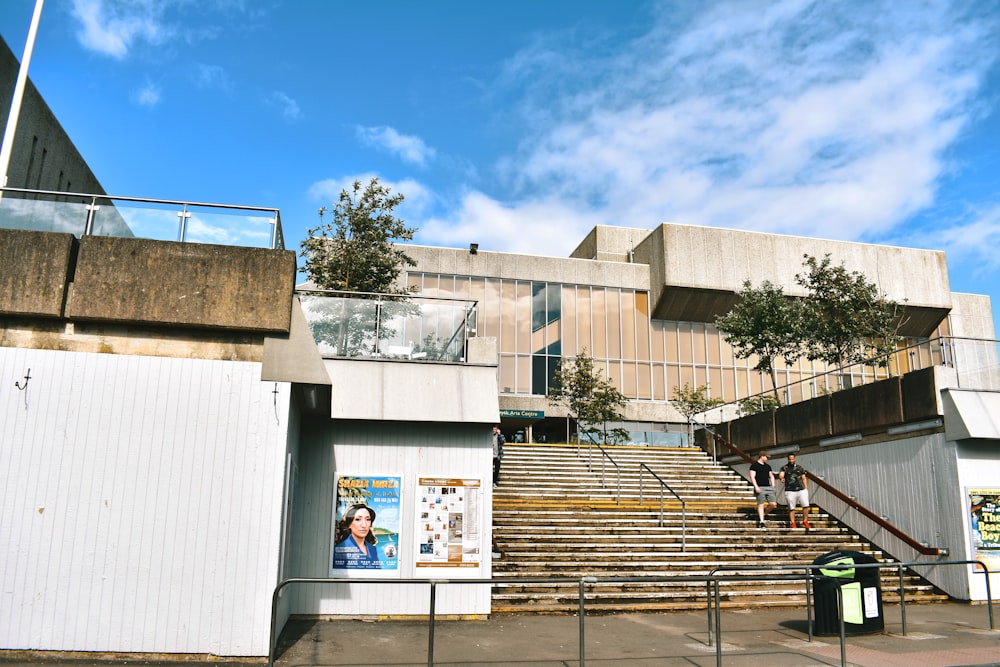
(862, 594)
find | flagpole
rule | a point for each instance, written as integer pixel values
(15, 102)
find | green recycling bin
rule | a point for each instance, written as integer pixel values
(861, 589)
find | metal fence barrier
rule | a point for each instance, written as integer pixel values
(713, 595)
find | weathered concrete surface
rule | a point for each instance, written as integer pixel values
(182, 284)
(866, 408)
(34, 268)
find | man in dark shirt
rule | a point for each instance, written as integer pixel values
(762, 478)
(796, 490)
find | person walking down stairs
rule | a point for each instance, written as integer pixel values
(762, 478)
(796, 490)
(498, 443)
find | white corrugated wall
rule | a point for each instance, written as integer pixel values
(140, 503)
(410, 451)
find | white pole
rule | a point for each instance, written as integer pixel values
(15, 102)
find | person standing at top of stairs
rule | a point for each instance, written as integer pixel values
(498, 443)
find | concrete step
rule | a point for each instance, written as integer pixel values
(553, 517)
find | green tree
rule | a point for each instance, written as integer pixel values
(764, 324)
(691, 401)
(356, 250)
(751, 405)
(848, 320)
(591, 398)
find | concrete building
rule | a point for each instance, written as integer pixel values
(181, 430)
(642, 303)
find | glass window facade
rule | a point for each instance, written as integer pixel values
(537, 323)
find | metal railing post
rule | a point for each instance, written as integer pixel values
(718, 626)
(902, 599)
(582, 613)
(430, 630)
(840, 617)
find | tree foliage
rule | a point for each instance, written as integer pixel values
(356, 250)
(591, 398)
(843, 319)
(691, 401)
(764, 324)
(848, 320)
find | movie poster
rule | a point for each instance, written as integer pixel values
(984, 505)
(366, 526)
(448, 531)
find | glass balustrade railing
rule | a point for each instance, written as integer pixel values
(158, 219)
(356, 325)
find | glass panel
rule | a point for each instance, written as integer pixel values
(223, 227)
(523, 343)
(672, 342)
(598, 318)
(539, 375)
(490, 312)
(628, 324)
(614, 324)
(657, 340)
(642, 328)
(584, 316)
(569, 319)
(553, 336)
(538, 320)
(698, 343)
(684, 343)
(687, 376)
(715, 385)
(508, 315)
(644, 378)
(523, 374)
(341, 327)
(742, 384)
(672, 379)
(44, 216)
(508, 373)
(714, 343)
(629, 380)
(414, 282)
(431, 283)
(659, 383)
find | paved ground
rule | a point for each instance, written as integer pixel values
(938, 635)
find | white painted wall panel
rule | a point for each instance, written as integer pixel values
(386, 448)
(140, 503)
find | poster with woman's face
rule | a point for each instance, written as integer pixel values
(365, 532)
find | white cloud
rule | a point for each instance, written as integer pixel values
(148, 95)
(804, 117)
(407, 148)
(417, 198)
(288, 107)
(212, 77)
(111, 27)
(973, 243)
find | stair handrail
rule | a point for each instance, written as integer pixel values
(919, 547)
(664, 485)
(618, 471)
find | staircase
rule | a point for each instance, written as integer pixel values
(554, 516)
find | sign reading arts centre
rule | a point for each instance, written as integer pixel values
(522, 414)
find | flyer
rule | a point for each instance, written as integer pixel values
(448, 531)
(365, 531)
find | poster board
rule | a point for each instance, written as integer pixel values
(372, 550)
(448, 531)
(984, 508)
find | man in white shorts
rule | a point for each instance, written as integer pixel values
(796, 490)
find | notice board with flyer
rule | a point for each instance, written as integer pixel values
(449, 523)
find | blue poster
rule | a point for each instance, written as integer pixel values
(366, 525)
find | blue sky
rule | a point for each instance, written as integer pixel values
(520, 124)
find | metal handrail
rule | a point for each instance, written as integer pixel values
(618, 471)
(664, 485)
(919, 547)
(712, 581)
